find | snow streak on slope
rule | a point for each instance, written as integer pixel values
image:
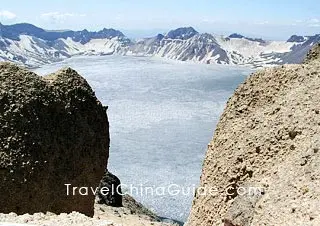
(199, 48)
(93, 47)
(247, 52)
(32, 51)
(28, 50)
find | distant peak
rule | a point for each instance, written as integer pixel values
(112, 32)
(182, 33)
(24, 26)
(296, 38)
(160, 36)
(236, 35)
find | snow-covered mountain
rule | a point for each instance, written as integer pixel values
(184, 44)
(33, 46)
(299, 51)
(187, 44)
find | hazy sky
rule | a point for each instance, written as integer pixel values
(274, 19)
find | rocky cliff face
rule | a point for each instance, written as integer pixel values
(263, 162)
(53, 132)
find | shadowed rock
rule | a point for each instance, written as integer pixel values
(110, 194)
(109, 191)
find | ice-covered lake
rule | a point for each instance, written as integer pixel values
(162, 115)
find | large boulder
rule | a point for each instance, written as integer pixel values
(53, 131)
(263, 165)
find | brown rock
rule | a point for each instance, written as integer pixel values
(272, 145)
(53, 132)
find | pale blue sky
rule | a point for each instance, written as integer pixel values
(273, 19)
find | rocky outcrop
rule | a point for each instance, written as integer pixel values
(313, 54)
(53, 132)
(110, 196)
(263, 164)
(109, 192)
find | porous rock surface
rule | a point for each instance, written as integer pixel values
(53, 131)
(268, 138)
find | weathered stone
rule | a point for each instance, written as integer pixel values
(272, 143)
(53, 131)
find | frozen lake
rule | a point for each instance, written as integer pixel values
(162, 115)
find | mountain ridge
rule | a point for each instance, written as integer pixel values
(14, 31)
(33, 46)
